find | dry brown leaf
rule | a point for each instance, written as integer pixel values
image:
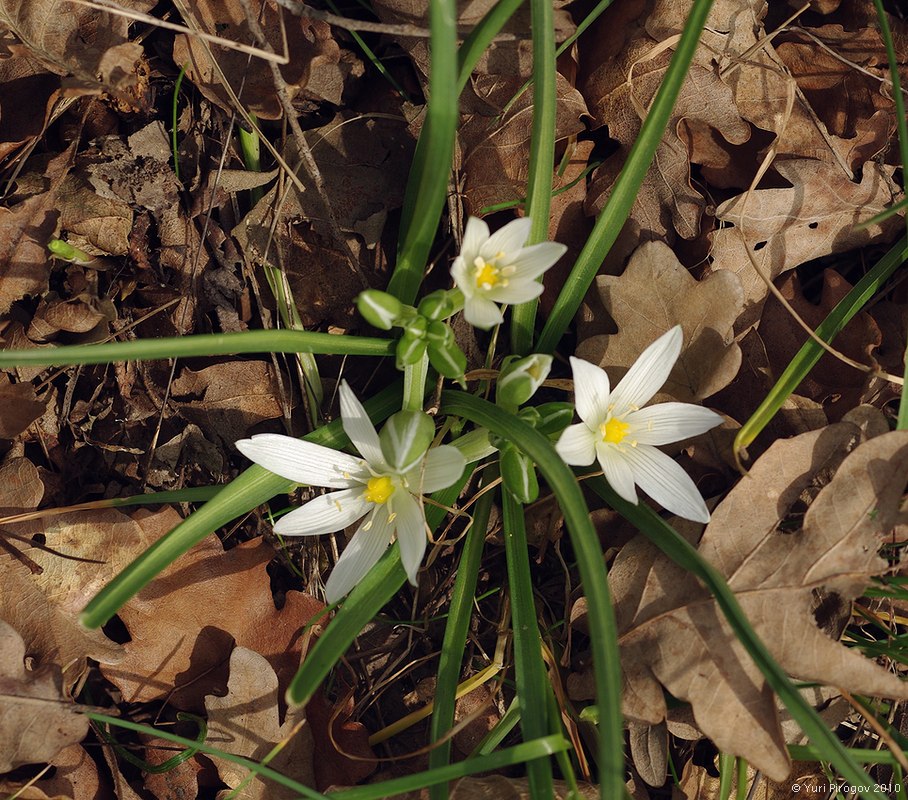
(783, 337)
(86, 43)
(656, 293)
(672, 634)
(19, 407)
(309, 42)
(25, 230)
(75, 775)
(36, 721)
(227, 399)
(184, 624)
(816, 216)
(45, 607)
(495, 141)
(246, 722)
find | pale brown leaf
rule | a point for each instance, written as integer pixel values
(654, 294)
(672, 634)
(36, 719)
(246, 722)
(816, 216)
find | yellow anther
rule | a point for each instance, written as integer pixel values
(487, 275)
(614, 430)
(378, 490)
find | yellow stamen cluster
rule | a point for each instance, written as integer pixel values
(379, 489)
(614, 430)
(488, 275)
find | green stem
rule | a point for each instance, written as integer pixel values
(542, 156)
(415, 384)
(529, 669)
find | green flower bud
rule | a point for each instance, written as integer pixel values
(405, 438)
(518, 474)
(520, 379)
(438, 305)
(379, 308)
(530, 416)
(440, 334)
(554, 417)
(448, 360)
(409, 349)
(415, 327)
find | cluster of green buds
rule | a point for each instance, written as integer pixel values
(517, 383)
(424, 328)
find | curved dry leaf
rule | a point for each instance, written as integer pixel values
(816, 216)
(672, 633)
(76, 40)
(19, 407)
(246, 722)
(308, 43)
(185, 622)
(36, 719)
(654, 294)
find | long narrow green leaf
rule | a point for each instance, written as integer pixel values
(362, 604)
(679, 550)
(251, 489)
(481, 37)
(512, 756)
(811, 352)
(603, 631)
(205, 344)
(611, 219)
(458, 624)
(252, 766)
(529, 668)
(542, 156)
(431, 168)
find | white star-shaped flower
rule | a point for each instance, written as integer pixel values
(378, 486)
(623, 436)
(497, 268)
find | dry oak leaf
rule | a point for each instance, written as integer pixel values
(45, 607)
(36, 722)
(622, 73)
(672, 634)
(816, 216)
(185, 622)
(654, 294)
(307, 43)
(246, 722)
(19, 407)
(88, 44)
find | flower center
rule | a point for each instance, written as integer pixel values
(488, 274)
(614, 430)
(379, 489)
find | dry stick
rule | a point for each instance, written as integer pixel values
(283, 95)
(874, 723)
(764, 167)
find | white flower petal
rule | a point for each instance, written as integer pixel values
(328, 513)
(648, 373)
(410, 526)
(517, 291)
(482, 313)
(617, 470)
(670, 422)
(536, 259)
(360, 555)
(666, 482)
(360, 429)
(442, 467)
(577, 445)
(591, 392)
(461, 275)
(475, 236)
(507, 240)
(302, 462)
